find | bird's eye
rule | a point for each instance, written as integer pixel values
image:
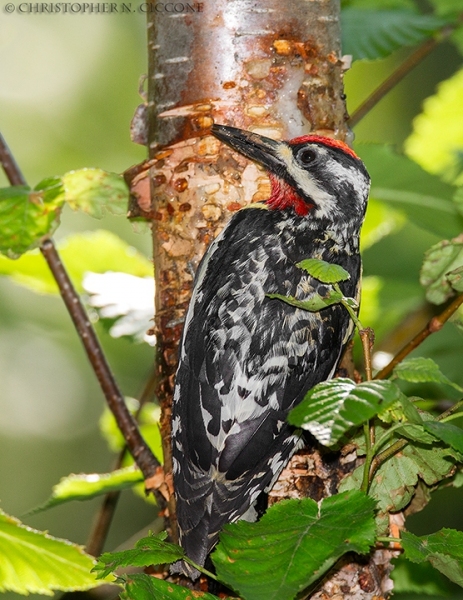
(306, 156)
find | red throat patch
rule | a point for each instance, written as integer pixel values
(284, 196)
(325, 141)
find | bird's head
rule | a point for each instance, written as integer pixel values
(312, 175)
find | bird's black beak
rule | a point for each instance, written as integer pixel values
(263, 150)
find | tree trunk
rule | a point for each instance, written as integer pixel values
(264, 66)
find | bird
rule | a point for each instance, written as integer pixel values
(245, 359)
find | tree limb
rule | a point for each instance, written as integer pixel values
(140, 451)
(413, 60)
(435, 324)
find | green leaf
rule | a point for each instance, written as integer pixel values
(424, 198)
(333, 407)
(26, 215)
(33, 562)
(395, 482)
(435, 140)
(139, 586)
(372, 34)
(152, 550)
(444, 550)
(96, 192)
(300, 540)
(421, 370)
(315, 304)
(98, 251)
(416, 433)
(402, 410)
(440, 260)
(455, 278)
(324, 271)
(448, 433)
(84, 486)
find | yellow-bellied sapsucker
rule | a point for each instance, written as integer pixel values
(246, 359)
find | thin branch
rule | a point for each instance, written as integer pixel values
(435, 324)
(103, 520)
(396, 76)
(388, 540)
(383, 456)
(137, 446)
(413, 60)
(11, 168)
(445, 416)
(367, 337)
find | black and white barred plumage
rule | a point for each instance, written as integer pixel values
(246, 359)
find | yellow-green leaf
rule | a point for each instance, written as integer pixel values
(34, 562)
(437, 139)
(96, 192)
(97, 251)
(27, 215)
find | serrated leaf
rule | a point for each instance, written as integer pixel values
(315, 304)
(408, 411)
(435, 140)
(34, 562)
(372, 34)
(455, 278)
(424, 198)
(139, 586)
(300, 540)
(98, 251)
(448, 433)
(152, 550)
(396, 481)
(444, 550)
(324, 271)
(422, 370)
(440, 260)
(96, 192)
(416, 433)
(84, 486)
(27, 215)
(333, 407)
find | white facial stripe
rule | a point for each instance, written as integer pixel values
(307, 184)
(326, 205)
